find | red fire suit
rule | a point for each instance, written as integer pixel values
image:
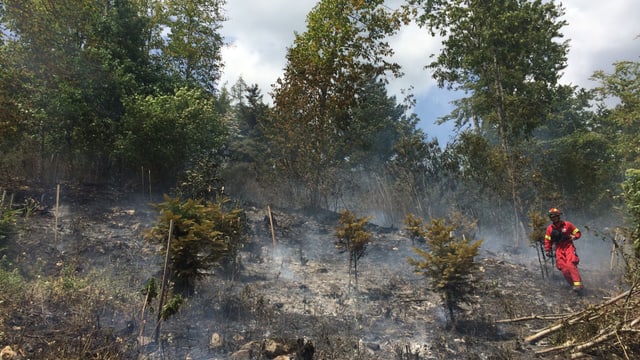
(561, 234)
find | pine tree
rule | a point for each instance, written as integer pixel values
(204, 235)
(448, 262)
(353, 238)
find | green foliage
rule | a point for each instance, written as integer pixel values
(202, 180)
(72, 69)
(623, 86)
(8, 219)
(511, 63)
(164, 132)
(193, 46)
(172, 306)
(538, 227)
(414, 226)
(631, 195)
(478, 162)
(507, 56)
(70, 65)
(419, 170)
(353, 237)
(313, 128)
(150, 290)
(448, 262)
(204, 234)
(577, 157)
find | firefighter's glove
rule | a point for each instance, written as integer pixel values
(548, 254)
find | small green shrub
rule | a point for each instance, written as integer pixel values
(448, 262)
(353, 238)
(203, 236)
(11, 282)
(8, 218)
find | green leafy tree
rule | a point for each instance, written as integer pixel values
(378, 124)
(204, 236)
(71, 63)
(631, 195)
(165, 133)
(576, 156)
(249, 172)
(419, 170)
(50, 47)
(353, 238)
(448, 262)
(506, 55)
(623, 87)
(328, 67)
(193, 45)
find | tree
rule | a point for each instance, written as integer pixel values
(378, 123)
(623, 86)
(631, 195)
(166, 133)
(72, 63)
(327, 69)
(506, 55)
(193, 45)
(575, 156)
(448, 262)
(418, 168)
(204, 235)
(250, 108)
(353, 238)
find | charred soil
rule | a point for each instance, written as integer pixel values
(72, 289)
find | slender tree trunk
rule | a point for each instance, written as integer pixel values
(511, 168)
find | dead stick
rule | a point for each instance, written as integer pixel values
(142, 319)
(577, 349)
(273, 233)
(164, 277)
(572, 319)
(55, 230)
(533, 317)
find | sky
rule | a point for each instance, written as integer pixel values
(259, 32)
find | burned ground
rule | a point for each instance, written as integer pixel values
(292, 294)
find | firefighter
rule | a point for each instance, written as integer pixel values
(562, 233)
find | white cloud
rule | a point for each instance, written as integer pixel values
(600, 33)
(412, 47)
(258, 33)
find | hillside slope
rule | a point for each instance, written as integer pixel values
(78, 294)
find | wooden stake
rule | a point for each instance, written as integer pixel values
(142, 319)
(57, 213)
(273, 233)
(164, 279)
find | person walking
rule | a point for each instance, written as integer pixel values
(562, 234)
